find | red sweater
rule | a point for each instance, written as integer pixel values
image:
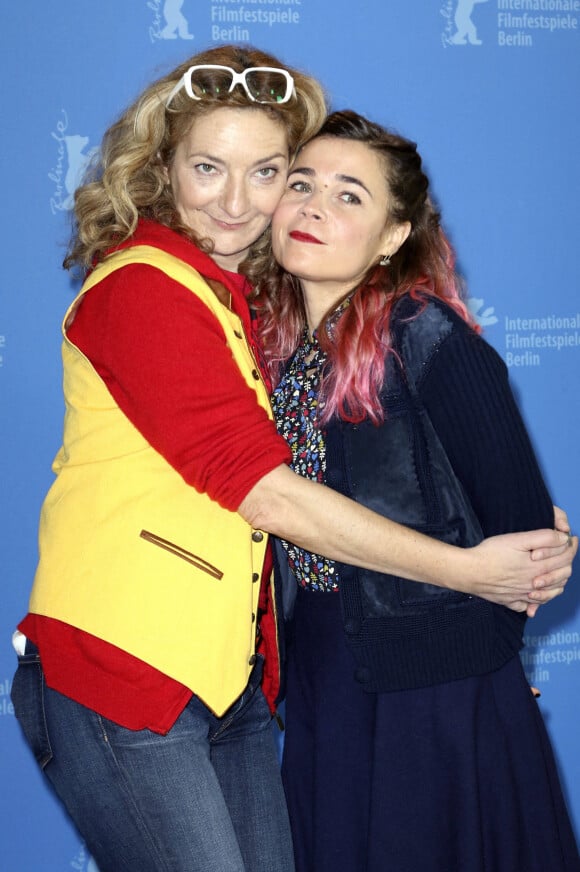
(164, 358)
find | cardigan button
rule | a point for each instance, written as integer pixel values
(257, 536)
(256, 374)
(255, 577)
(252, 660)
(362, 674)
(352, 626)
(238, 334)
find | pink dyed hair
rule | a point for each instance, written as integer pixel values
(359, 342)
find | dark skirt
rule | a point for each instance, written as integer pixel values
(454, 778)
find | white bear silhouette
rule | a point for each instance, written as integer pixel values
(466, 31)
(176, 21)
(78, 162)
(485, 317)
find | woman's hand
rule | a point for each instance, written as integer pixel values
(523, 570)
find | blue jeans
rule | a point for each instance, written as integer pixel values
(207, 797)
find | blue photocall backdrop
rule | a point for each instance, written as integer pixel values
(489, 89)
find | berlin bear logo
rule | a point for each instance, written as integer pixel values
(176, 22)
(466, 31)
(484, 315)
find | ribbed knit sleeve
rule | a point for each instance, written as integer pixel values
(473, 410)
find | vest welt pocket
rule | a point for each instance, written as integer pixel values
(178, 551)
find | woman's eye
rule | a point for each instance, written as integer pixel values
(348, 197)
(267, 172)
(300, 187)
(205, 168)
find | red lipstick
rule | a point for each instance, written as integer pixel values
(305, 237)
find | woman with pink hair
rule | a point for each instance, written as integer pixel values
(413, 740)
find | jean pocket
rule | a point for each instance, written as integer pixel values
(28, 700)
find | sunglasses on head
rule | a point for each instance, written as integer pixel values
(261, 84)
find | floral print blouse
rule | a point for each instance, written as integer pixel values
(295, 406)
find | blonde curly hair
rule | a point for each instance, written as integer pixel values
(128, 181)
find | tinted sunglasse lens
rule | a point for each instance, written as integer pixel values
(267, 87)
(213, 82)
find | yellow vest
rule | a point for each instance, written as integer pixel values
(132, 554)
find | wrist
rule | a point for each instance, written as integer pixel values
(463, 569)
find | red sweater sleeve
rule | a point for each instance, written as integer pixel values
(164, 358)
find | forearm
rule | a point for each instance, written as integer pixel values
(321, 520)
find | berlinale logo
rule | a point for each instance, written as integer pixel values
(484, 315)
(169, 21)
(460, 28)
(73, 160)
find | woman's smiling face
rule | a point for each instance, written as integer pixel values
(227, 176)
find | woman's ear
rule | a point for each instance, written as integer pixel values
(394, 237)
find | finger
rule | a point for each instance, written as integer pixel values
(561, 520)
(556, 578)
(531, 609)
(547, 594)
(542, 550)
(558, 567)
(547, 553)
(549, 581)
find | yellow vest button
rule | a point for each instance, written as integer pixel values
(257, 536)
(255, 577)
(256, 374)
(252, 660)
(238, 334)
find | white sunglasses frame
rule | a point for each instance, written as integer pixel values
(237, 79)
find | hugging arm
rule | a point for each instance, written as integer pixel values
(158, 385)
(482, 431)
(325, 522)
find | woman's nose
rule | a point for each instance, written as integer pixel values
(313, 207)
(235, 197)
